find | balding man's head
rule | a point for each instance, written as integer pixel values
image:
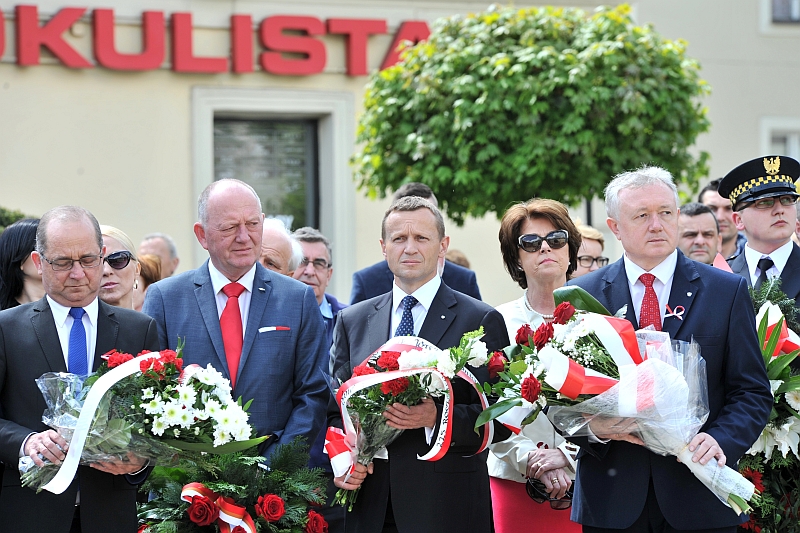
(276, 247)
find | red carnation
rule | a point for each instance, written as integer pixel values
(530, 389)
(523, 335)
(178, 364)
(117, 358)
(563, 312)
(363, 370)
(143, 528)
(145, 364)
(395, 386)
(316, 524)
(202, 511)
(543, 334)
(238, 529)
(496, 364)
(388, 360)
(270, 506)
(755, 477)
(167, 356)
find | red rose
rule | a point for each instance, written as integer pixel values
(563, 312)
(238, 529)
(543, 334)
(202, 511)
(530, 389)
(363, 370)
(395, 386)
(116, 359)
(523, 335)
(496, 364)
(270, 506)
(388, 360)
(143, 528)
(167, 356)
(316, 524)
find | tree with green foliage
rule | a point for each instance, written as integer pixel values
(510, 104)
(9, 216)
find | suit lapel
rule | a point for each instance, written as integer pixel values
(685, 284)
(45, 329)
(379, 323)
(262, 290)
(440, 315)
(207, 303)
(617, 292)
(107, 331)
(790, 276)
(739, 266)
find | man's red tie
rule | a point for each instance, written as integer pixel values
(650, 313)
(232, 332)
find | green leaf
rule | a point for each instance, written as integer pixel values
(231, 447)
(580, 299)
(496, 410)
(517, 367)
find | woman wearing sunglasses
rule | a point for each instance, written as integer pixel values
(120, 268)
(540, 244)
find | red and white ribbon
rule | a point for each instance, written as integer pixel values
(617, 336)
(788, 341)
(231, 515)
(569, 378)
(512, 419)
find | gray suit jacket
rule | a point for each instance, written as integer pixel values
(282, 371)
(29, 347)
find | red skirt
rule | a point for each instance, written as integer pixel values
(515, 512)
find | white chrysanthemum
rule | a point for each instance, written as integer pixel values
(186, 418)
(153, 407)
(242, 433)
(446, 365)
(186, 394)
(774, 384)
(478, 353)
(158, 426)
(207, 375)
(418, 359)
(223, 390)
(172, 412)
(793, 399)
(213, 408)
(147, 393)
(221, 437)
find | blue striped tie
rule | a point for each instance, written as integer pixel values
(406, 326)
(76, 358)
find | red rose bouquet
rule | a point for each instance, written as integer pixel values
(405, 370)
(236, 493)
(148, 406)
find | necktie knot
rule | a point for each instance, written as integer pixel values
(409, 302)
(233, 290)
(765, 263)
(647, 280)
(76, 312)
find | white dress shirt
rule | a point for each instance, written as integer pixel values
(779, 259)
(218, 281)
(662, 285)
(64, 322)
(424, 296)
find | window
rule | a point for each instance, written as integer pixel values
(786, 11)
(278, 158)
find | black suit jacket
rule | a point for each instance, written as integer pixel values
(449, 495)
(790, 275)
(612, 479)
(377, 279)
(29, 347)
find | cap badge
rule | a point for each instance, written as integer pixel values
(772, 165)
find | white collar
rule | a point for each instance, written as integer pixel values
(424, 294)
(779, 257)
(662, 271)
(218, 279)
(60, 312)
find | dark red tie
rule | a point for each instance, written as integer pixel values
(232, 332)
(650, 313)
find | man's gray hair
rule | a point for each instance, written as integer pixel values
(636, 179)
(202, 202)
(309, 234)
(297, 254)
(173, 249)
(413, 203)
(65, 213)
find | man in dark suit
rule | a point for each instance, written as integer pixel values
(764, 198)
(405, 494)
(377, 279)
(621, 485)
(67, 330)
(262, 330)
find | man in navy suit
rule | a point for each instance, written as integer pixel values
(620, 485)
(272, 347)
(377, 279)
(404, 494)
(764, 199)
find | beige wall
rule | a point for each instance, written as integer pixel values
(121, 144)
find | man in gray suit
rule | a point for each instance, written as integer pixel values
(67, 330)
(262, 330)
(405, 494)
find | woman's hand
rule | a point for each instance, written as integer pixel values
(548, 466)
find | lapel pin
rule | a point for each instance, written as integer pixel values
(261, 289)
(677, 313)
(442, 317)
(688, 294)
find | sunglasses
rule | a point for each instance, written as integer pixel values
(119, 260)
(538, 493)
(530, 242)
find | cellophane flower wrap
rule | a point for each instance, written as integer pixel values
(405, 370)
(147, 406)
(593, 367)
(772, 464)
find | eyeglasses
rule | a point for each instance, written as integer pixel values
(119, 260)
(63, 263)
(768, 203)
(530, 242)
(538, 493)
(319, 264)
(586, 261)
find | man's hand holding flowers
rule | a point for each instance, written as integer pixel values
(354, 479)
(422, 415)
(46, 445)
(705, 448)
(608, 428)
(128, 465)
